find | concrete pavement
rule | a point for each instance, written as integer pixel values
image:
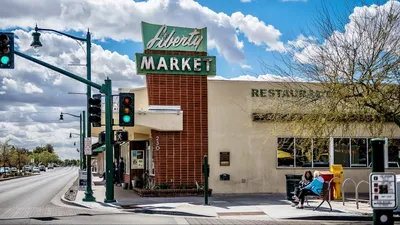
(260, 207)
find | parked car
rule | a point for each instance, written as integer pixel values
(35, 170)
(50, 167)
(42, 168)
(27, 168)
(14, 169)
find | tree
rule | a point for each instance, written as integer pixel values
(49, 148)
(354, 62)
(5, 152)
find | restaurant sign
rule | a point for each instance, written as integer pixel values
(163, 37)
(288, 93)
(175, 64)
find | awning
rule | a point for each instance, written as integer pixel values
(100, 149)
(97, 148)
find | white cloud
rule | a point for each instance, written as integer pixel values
(264, 77)
(31, 88)
(124, 21)
(23, 109)
(257, 32)
(9, 84)
(244, 66)
(245, 1)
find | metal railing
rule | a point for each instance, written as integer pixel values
(363, 181)
(344, 182)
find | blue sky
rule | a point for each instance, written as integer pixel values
(288, 17)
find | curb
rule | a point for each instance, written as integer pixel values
(68, 202)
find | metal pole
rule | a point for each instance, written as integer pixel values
(88, 77)
(378, 165)
(66, 73)
(89, 192)
(81, 117)
(109, 151)
(205, 180)
(84, 135)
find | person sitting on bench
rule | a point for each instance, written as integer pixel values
(306, 180)
(314, 188)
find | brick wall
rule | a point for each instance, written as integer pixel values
(181, 154)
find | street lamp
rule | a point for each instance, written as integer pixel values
(81, 134)
(36, 44)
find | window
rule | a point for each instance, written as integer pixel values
(359, 152)
(393, 152)
(285, 152)
(321, 152)
(341, 147)
(303, 149)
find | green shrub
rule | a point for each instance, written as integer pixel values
(165, 186)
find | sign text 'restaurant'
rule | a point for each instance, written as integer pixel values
(287, 93)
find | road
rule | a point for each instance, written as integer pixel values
(35, 200)
(35, 191)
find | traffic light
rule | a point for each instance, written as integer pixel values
(126, 109)
(6, 50)
(95, 111)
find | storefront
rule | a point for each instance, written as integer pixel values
(182, 115)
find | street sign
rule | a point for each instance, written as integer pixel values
(383, 191)
(88, 146)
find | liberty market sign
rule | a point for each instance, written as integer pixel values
(163, 37)
(175, 64)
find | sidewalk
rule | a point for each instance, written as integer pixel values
(254, 206)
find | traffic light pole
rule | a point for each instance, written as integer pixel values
(83, 141)
(109, 151)
(106, 89)
(82, 136)
(88, 193)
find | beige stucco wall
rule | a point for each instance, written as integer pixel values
(144, 120)
(253, 145)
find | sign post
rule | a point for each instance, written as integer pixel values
(382, 186)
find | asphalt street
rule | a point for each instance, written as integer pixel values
(31, 200)
(35, 191)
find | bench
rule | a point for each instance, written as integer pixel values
(324, 195)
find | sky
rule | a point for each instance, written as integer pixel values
(241, 34)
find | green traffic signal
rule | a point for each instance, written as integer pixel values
(126, 119)
(126, 109)
(6, 50)
(5, 60)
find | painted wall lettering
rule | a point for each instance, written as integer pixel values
(287, 93)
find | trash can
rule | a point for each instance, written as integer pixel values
(327, 177)
(337, 171)
(292, 180)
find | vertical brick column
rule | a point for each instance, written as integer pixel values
(180, 157)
